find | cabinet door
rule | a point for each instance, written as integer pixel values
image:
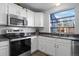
(3, 14)
(59, 50)
(4, 50)
(20, 11)
(63, 47)
(67, 47)
(30, 18)
(46, 45)
(23, 13)
(41, 44)
(50, 46)
(12, 9)
(33, 44)
(59, 47)
(38, 17)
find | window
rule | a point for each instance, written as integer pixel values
(63, 21)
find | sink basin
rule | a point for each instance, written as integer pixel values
(68, 37)
(56, 36)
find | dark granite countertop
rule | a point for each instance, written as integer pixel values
(60, 34)
(74, 37)
(66, 38)
(51, 35)
(2, 38)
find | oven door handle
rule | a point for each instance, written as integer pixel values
(19, 39)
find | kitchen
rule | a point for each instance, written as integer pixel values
(39, 29)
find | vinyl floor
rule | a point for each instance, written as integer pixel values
(39, 53)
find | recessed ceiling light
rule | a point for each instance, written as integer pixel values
(57, 4)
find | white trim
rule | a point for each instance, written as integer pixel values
(49, 25)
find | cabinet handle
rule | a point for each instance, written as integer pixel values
(57, 46)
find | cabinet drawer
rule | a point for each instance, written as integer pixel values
(4, 51)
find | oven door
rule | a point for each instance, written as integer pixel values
(19, 47)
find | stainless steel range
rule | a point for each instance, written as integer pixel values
(19, 43)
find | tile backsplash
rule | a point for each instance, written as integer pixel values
(26, 30)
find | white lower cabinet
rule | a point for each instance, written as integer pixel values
(4, 48)
(63, 47)
(41, 44)
(54, 46)
(50, 46)
(33, 44)
(46, 45)
(4, 51)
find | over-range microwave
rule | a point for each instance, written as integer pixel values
(14, 20)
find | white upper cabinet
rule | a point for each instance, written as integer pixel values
(3, 14)
(16, 10)
(34, 19)
(12, 9)
(38, 18)
(19, 10)
(23, 12)
(30, 18)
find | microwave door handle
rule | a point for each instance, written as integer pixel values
(8, 20)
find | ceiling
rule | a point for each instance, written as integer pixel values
(40, 7)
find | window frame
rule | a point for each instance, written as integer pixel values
(51, 22)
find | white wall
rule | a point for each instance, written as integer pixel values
(61, 8)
